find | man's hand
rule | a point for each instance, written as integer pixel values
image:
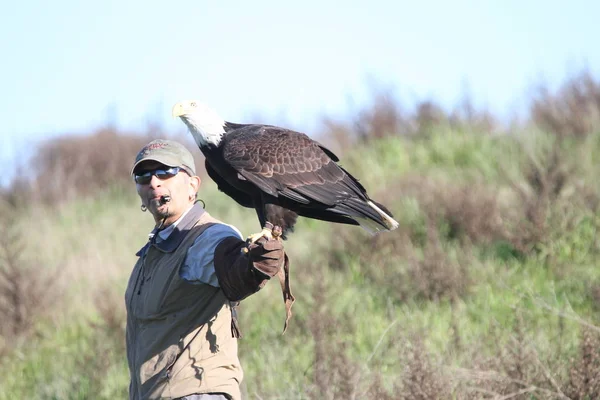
(244, 269)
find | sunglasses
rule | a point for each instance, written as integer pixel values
(162, 174)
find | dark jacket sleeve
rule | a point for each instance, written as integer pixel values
(241, 273)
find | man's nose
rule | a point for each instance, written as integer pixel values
(154, 181)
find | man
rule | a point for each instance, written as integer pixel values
(181, 328)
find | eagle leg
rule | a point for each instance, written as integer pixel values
(268, 231)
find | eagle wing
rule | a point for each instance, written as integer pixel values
(243, 199)
(285, 163)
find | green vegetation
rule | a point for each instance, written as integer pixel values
(464, 294)
(490, 289)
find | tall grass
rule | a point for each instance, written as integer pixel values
(442, 307)
(489, 288)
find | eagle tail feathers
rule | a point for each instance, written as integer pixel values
(372, 227)
(388, 221)
(370, 215)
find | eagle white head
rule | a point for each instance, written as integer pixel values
(205, 125)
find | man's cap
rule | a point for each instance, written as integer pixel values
(167, 152)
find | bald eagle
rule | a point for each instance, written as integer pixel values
(280, 173)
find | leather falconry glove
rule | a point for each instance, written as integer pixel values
(267, 256)
(241, 274)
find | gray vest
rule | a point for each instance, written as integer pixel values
(179, 339)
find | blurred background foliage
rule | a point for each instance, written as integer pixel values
(490, 288)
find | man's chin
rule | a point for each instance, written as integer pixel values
(160, 211)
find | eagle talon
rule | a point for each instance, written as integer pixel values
(277, 232)
(266, 232)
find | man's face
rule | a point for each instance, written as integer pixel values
(181, 189)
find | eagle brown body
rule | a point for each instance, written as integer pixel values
(282, 174)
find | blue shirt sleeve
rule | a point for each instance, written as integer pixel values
(198, 266)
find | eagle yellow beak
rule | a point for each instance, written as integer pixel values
(178, 110)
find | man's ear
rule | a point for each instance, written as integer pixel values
(195, 183)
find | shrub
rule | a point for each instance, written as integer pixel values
(584, 371)
(574, 111)
(26, 290)
(83, 165)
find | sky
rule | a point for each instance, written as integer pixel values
(69, 67)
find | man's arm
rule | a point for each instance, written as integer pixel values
(198, 267)
(240, 273)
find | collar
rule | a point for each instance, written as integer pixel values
(164, 234)
(172, 238)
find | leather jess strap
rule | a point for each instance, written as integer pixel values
(288, 297)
